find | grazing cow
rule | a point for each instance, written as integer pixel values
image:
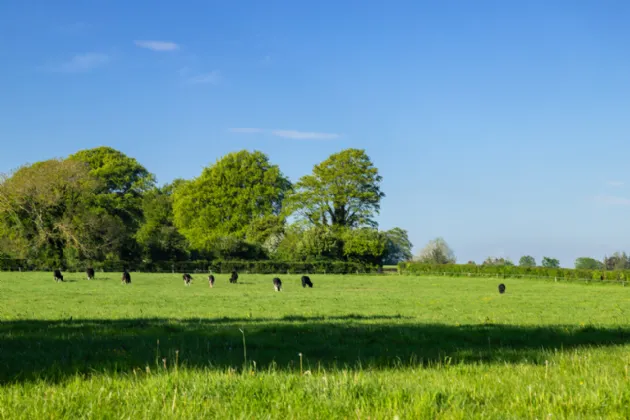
(187, 279)
(277, 284)
(211, 280)
(126, 277)
(233, 277)
(90, 273)
(306, 281)
(57, 276)
(502, 288)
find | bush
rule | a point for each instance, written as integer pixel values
(509, 271)
(200, 266)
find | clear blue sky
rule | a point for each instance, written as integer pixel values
(502, 126)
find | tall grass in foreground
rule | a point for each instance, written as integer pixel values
(412, 347)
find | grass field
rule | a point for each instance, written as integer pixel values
(351, 347)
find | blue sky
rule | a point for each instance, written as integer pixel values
(501, 126)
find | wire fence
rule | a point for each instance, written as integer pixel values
(275, 267)
(621, 282)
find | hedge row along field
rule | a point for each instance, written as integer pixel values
(203, 266)
(457, 270)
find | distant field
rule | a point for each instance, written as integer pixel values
(371, 347)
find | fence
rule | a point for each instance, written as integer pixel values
(547, 273)
(203, 266)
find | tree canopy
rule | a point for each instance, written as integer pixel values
(241, 193)
(527, 261)
(343, 191)
(49, 211)
(397, 246)
(549, 262)
(587, 263)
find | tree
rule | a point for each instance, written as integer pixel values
(343, 191)
(319, 243)
(550, 262)
(158, 236)
(366, 245)
(495, 261)
(587, 263)
(527, 261)
(48, 211)
(230, 198)
(436, 251)
(397, 246)
(121, 175)
(124, 181)
(617, 261)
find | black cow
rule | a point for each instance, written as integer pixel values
(57, 276)
(187, 279)
(233, 277)
(90, 273)
(211, 280)
(126, 277)
(277, 284)
(306, 281)
(502, 288)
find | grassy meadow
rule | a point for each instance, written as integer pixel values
(378, 347)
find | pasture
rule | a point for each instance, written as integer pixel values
(350, 347)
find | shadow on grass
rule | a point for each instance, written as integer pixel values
(57, 349)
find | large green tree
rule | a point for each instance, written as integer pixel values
(124, 181)
(550, 262)
(588, 263)
(240, 195)
(158, 236)
(343, 191)
(397, 246)
(49, 211)
(617, 261)
(527, 261)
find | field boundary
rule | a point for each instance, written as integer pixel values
(513, 276)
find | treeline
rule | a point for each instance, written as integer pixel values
(102, 208)
(505, 271)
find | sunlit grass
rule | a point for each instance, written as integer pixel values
(370, 347)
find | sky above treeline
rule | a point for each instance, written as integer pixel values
(501, 126)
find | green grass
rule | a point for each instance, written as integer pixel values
(371, 347)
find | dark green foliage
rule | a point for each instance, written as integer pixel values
(397, 246)
(159, 238)
(200, 266)
(550, 262)
(587, 263)
(617, 261)
(277, 267)
(527, 261)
